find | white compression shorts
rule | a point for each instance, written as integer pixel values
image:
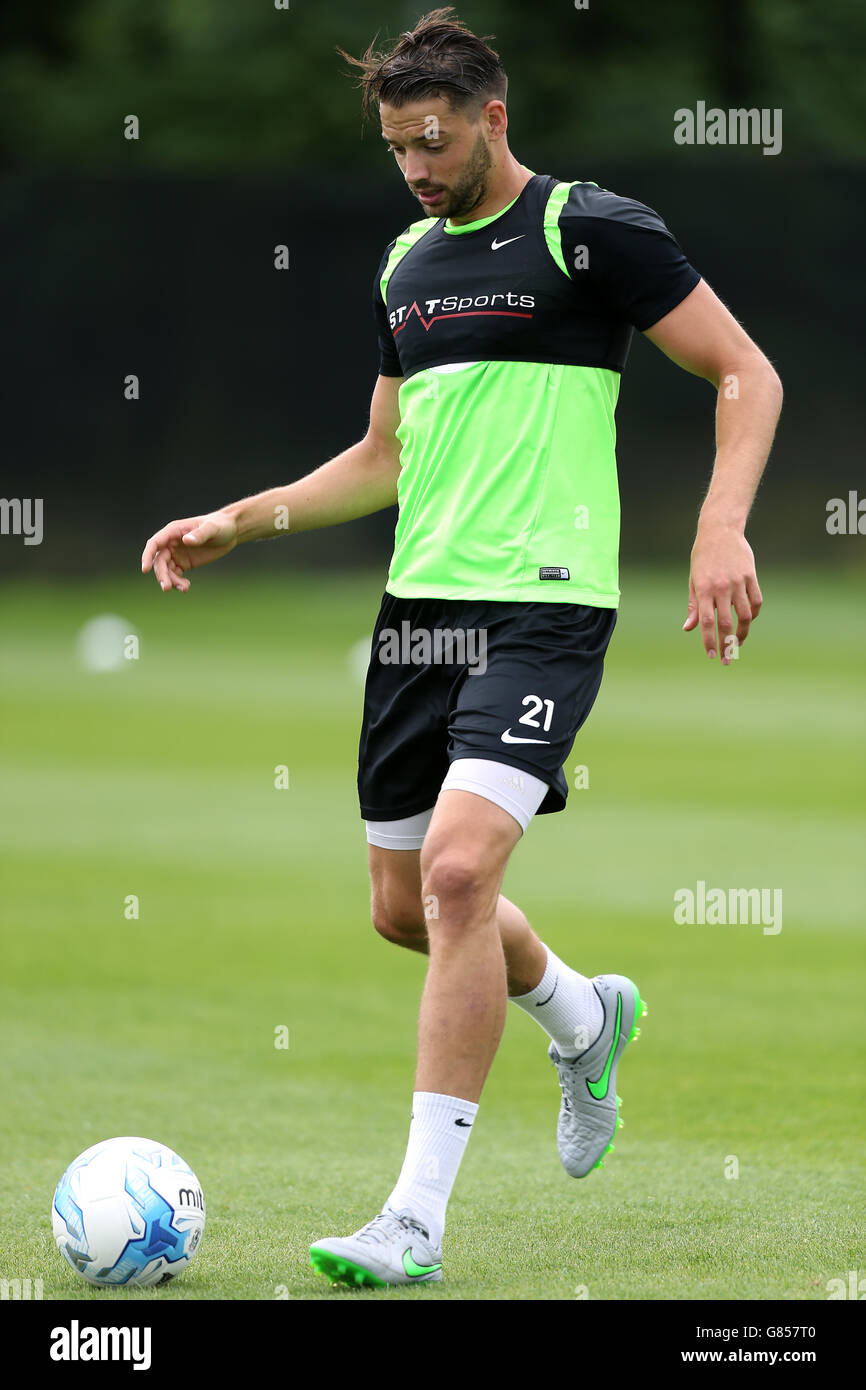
(516, 791)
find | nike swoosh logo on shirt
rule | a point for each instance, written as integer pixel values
(414, 1270)
(495, 245)
(509, 737)
(598, 1089)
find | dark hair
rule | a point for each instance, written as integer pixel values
(439, 57)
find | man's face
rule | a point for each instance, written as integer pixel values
(443, 155)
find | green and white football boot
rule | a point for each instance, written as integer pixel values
(589, 1111)
(393, 1248)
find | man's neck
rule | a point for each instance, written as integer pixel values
(511, 180)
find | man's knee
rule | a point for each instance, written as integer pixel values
(457, 887)
(399, 919)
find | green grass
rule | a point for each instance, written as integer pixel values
(157, 780)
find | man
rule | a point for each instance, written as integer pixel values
(504, 321)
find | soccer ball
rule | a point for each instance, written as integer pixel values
(128, 1211)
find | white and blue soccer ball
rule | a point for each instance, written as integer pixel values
(128, 1211)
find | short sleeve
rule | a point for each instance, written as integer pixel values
(632, 261)
(389, 361)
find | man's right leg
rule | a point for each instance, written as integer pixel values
(397, 912)
(586, 1036)
(571, 1017)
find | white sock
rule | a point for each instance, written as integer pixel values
(566, 1006)
(440, 1128)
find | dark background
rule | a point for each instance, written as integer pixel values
(155, 257)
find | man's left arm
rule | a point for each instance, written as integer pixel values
(702, 337)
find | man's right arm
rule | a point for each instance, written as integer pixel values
(361, 480)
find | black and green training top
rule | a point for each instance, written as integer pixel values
(510, 334)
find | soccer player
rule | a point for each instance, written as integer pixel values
(504, 320)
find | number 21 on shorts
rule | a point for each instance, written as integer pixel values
(537, 704)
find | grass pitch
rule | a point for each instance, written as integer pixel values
(739, 1172)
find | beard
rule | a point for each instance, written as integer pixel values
(471, 188)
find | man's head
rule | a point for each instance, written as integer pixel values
(440, 93)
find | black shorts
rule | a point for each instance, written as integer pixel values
(513, 684)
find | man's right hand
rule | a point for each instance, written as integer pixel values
(184, 545)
